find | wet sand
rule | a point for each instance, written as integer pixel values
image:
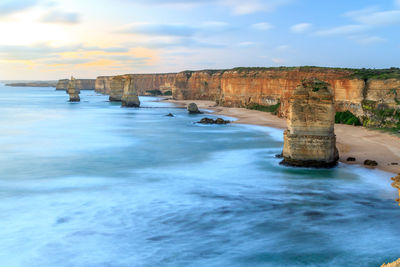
(357, 142)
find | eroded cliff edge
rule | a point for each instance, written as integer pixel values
(373, 96)
(80, 84)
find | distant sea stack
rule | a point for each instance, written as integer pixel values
(72, 91)
(310, 140)
(80, 84)
(130, 96)
(117, 88)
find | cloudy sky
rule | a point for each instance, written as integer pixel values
(52, 39)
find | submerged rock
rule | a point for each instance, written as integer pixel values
(212, 121)
(369, 162)
(193, 109)
(351, 159)
(170, 115)
(309, 140)
(72, 91)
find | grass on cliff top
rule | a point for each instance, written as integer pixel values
(391, 73)
(365, 74)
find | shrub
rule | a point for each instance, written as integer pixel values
(272, 108)
(347, 118)
(168, 93)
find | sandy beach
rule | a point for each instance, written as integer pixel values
(357, 142)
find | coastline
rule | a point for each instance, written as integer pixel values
(352, 141)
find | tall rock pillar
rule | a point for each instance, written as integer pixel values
(310, 140)
(73, 91)
(130, 96)
(116, 88)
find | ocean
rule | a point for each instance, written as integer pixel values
(94, 184)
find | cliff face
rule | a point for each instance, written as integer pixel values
(310, 139)
(144, 83)
(267, 87)
(80, 84)
(130, 96)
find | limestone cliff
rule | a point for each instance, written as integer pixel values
(117, 88)
(81, 84)
(73, 91)
(309, 140)
(130, 96)
(243, 87)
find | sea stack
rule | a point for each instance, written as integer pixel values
(130, 96)
(309, 140)
(396, 184)
(116, 88)
(72, 91)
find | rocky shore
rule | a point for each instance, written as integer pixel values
(358, 142)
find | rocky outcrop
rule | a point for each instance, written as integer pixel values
(146, 84)
(73, 91)
(80, 84)
(393, 264)
(117, 85)
(130, 95)
(396, 184)
(193, 109)
(103, 84)
(212, 121)
(34, 84)
(309, 140)
(374, 101)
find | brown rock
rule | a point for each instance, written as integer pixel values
(309, 140)
(393, 264)
(371, 163)
(193, 109)
(72, 91)
(117, 85)
(130, 95)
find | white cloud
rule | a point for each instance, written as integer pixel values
(55, 16)
(240, 7)
(278, 60)
(301, 27)
(262, 26)
(246, 44)
(283, 48)
(343, 30)
(368, 39)
(376, 18)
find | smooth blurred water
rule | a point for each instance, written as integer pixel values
(94, 184)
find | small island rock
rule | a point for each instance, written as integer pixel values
(193, 109)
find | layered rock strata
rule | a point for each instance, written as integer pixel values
(81, 84)
(117, 85)
(371, 100)
(73, 91)
(309, 140)
(130, 96)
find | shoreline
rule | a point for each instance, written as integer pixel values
(351, 141)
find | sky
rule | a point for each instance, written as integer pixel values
(54, 39)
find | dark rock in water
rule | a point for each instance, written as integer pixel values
(394, 163)
(307, 163)
(351, 159)
(279, 156)
(212, 121)
(369, 162)
(170, 115)
(193, 109)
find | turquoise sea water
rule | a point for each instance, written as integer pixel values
(94, 184)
